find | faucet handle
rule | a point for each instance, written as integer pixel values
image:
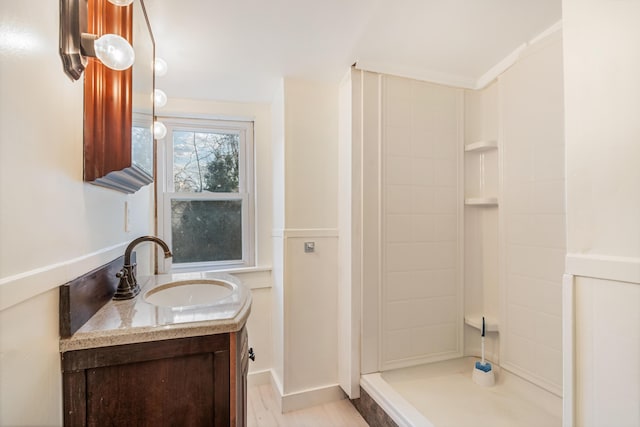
(128, 286)
(124, 273)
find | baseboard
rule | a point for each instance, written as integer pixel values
(259, 378)
(312, 397)
(300, 399)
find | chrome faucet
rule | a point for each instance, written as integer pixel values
(128, 286)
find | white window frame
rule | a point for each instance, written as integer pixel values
(245, 192)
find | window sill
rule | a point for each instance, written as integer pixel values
(249, 275)
(229, 269)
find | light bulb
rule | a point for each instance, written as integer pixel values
(160, 67)
(159, 130)
(114, 51)
(121, 2)
(159, 98)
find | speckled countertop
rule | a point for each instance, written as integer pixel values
(136, 320)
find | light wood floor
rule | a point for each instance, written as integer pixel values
(263, 411)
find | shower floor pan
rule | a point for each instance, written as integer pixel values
(442, 394)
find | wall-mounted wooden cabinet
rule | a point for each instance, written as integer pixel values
(109, 95)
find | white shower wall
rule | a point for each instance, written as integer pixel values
(533, 208)
(421, 295)
(411, 135)
(413, 138)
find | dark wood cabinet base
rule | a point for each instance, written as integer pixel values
(195, 381)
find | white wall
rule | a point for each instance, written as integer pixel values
(278, 134)
(311, 330)
(607, 357)
(311, 154)
(53, 227)
(601, 73)
(349, 247)
(311, 206)
(601, 45)
(308, 210)
(533, 210)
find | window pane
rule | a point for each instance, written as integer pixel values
(142, 148)
(206, 230)
(205, 161)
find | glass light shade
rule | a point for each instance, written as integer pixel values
(160, 67)
(114, 51)
(121, 2)
(159, 98)
(159, 130)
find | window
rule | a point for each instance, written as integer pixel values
(207, 199)
(142, 142)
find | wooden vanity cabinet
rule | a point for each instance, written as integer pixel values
(194, 381)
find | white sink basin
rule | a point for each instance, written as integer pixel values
(188, 293)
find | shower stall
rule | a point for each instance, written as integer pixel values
(453, 210)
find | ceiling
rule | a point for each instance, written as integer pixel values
(238, 50)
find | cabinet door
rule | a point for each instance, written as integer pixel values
(180, 391)
(182, 382)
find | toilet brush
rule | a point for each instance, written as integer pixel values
(483, 373)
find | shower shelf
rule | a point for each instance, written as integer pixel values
(490, 324)
(481, 146)
(481, 201)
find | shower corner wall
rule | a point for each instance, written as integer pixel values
(498, 231)
(422, 272)
(482, 195)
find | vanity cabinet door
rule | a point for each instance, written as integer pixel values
(180, 382)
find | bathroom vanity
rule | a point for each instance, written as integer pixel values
(135, 362)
